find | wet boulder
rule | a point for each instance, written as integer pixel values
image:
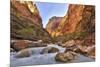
(49, 50)
(23, 53)
(65, 57)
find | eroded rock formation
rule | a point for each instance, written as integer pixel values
(26, 22)
(78, 22)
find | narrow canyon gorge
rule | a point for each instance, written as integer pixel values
(65, 39)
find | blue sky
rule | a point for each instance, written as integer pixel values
(48, 10)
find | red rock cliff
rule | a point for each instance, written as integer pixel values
(26, 22)
(79, 18)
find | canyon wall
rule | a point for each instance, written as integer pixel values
(26, 22)
(78, 23)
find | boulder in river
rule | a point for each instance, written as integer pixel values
(18, 45)
(65, 57)
(23, 53)
(49, 50)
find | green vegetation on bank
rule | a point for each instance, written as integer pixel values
(70, 36)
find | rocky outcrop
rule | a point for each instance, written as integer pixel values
(84, 49)
(26, 22)
(69, 43)
(18, 45)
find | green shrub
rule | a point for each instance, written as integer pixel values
(26, 31)
(70, 36)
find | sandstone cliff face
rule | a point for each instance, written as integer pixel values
(53, 24)
(77, 23)
(70, 20)
(74, 17)
(88, 20)
(26, 22)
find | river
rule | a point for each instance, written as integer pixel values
(41, 59)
